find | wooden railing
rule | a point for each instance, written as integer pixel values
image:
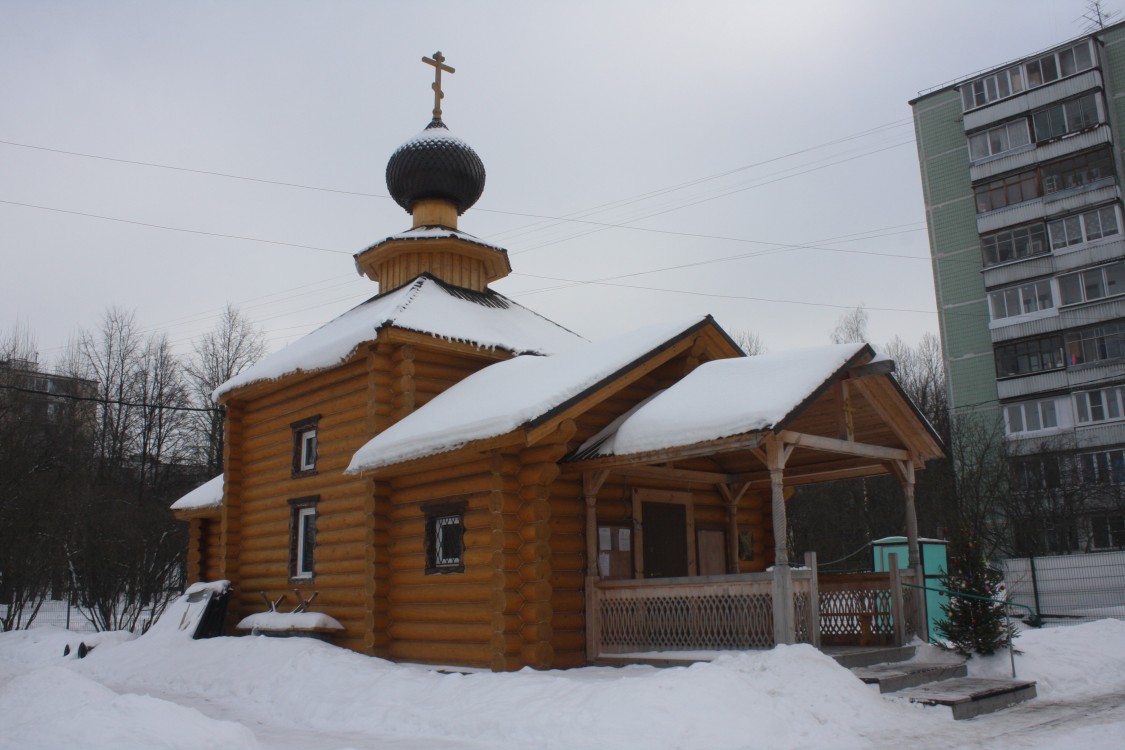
(691, 614)
(731, 612)
(866, 609)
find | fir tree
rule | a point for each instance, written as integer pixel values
(973, 625)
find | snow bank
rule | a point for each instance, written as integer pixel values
(293, 690)
(58, 708)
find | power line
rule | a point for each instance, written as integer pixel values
(106, 401)
(173, 229)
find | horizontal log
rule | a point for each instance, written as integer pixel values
(469, 592)
(477, 465)
(446, 488)
(566, 544)
(435, 612)
(448, 632)
(421, 652)
(418, 577)
(568, 621)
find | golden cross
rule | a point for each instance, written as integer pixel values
(438, 61)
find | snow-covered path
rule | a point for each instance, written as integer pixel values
(303, 695)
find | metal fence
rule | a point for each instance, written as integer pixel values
(1066, 589)
(60, 613)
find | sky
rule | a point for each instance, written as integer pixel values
(646, 160)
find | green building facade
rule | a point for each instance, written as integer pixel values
(1022, 174)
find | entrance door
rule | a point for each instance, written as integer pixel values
(665, 539)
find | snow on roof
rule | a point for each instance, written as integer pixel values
(722, 398)
(507, 395)
(484, 319)
(207, 495)
(437, 232)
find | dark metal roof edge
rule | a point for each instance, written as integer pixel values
(782, 423)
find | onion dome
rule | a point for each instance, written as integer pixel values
(435, 164)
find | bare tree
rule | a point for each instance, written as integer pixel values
(232, 346)
(163, 422)
(851, 327)
(750, 342)
(112, 357)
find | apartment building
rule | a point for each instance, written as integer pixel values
(1022, 178)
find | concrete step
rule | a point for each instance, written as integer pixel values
(971, 696)
(898, 676)
(850, 658)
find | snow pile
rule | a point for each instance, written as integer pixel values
(507, 395)
(425, 306)
(207, 495)
(438, 232)
(300, 693)
(274, 622)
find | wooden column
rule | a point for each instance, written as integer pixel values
(783, 630)
(591, 483)
(813, 623)
(905, 472)
(732, 493)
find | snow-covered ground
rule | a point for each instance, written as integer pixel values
(163, 691)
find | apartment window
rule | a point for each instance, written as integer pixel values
(1070, 116)
(1031, 416)
(1014, 244)
(1077, 171)
(992, 88)
(1035, 474)
(1092, 284)
(302, 537)
(1028, 357)
(995, 141)
(1021, 299)
(1103, 405)
(1084, 227)
(1042, 70)
(1006, 191)
(305, 445)
(1102, 467)
(445, 537)
(1065, 62)
(1107, 531)
(1096, 344)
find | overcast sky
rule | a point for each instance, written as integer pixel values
(704, 146)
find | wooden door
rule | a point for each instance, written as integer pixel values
(712, 547)
(665, 540)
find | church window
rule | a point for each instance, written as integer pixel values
(445, 538)
(302, 537)
(305, 446)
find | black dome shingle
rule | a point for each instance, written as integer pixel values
(435, 164)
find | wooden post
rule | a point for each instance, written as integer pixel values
(732, 493)
(591, 483)
(813, 624)
(898, 610)
(783, 630)
(914, 559)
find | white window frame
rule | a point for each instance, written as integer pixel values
(304, 516)
(307, 460)
(1015, 80)
(989, 140)
(1025, 295)
(1030, 417)
(1069, 232)
(1032, 236)
(1096, 340)
(1114, 530)
(1110, 469)
(1100, 406)
(1103, 275)
(1069, 110)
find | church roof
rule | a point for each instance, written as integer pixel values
(426, 305)
(513, 393)
(723, 398)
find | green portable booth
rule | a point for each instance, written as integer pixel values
(932, 553)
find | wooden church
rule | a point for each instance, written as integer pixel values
(463, 482)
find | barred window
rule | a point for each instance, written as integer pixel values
(445, 537)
